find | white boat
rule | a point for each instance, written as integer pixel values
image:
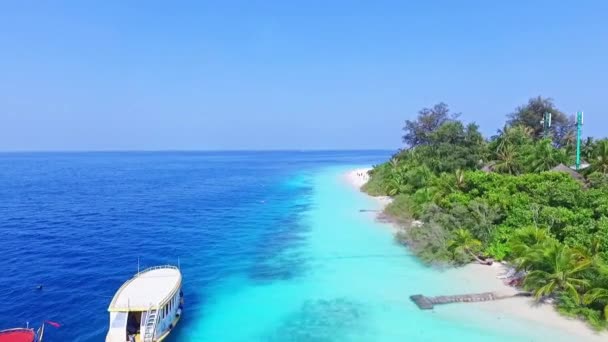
(147, 307)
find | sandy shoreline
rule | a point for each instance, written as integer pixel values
(359, 177)
(489, 278)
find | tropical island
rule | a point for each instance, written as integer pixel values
(520, 196)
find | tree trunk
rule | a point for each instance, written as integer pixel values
(483, 262)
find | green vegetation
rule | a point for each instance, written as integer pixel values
(477, 198)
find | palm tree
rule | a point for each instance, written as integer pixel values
(527, 238)
(597, 295)
(501, 138)
(545, 156)
(599, 160)
(555, 268)
(507, 160)
(526, 132)
(587, 148)
(593, 253)
(394, 162)
(464, 242)
(443, 185)
(514, 135)
(396, 184)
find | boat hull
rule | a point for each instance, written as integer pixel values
(168, 332)
(18, 335)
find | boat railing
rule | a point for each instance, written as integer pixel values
(15, 330)
(157, 268)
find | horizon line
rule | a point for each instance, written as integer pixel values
(201, 150)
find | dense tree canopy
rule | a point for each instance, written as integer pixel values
(453, 146)
(498, 198)
(429, 119)
(531, 115)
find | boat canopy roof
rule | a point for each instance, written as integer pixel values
(152, 287)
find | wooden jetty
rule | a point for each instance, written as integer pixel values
(427, 303)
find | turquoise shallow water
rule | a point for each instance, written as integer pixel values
(354, 287)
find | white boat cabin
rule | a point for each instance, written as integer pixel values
(147, 307)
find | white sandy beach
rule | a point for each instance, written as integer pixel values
(488, 278)
(359, 177)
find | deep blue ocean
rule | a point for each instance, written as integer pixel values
(77, 223)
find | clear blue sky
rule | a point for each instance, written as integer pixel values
(113, 75)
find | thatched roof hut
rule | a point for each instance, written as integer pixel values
(572, 173)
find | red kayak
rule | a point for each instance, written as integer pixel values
(18, 335)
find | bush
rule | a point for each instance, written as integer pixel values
(598, 180)
(400, 209)
(428, 241)
(376, 184)
(567, 306)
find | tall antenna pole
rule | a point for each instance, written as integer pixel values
(579, 130)
(546, 121)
